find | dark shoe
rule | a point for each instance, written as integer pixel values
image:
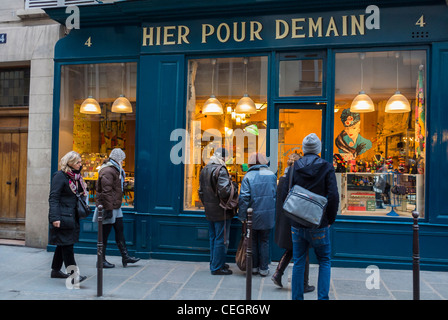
(129, 259)
(80, 279)
(59, 274)
(107, 264)
(222, 272)
(308, 288)
(277, 279)
(126, 258)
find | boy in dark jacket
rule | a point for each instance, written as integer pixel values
(316, 175)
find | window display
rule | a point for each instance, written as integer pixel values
(97, 114)
(226, 107)
(379, 131)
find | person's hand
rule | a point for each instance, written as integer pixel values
(56, 224)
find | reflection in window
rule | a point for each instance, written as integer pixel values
(95, 135)
(379, 156)
(240, 130)
(300, 78)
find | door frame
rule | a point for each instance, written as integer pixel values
(276, 252)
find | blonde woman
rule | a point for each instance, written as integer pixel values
(64, 222)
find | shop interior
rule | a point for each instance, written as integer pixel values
(379, 132)
(227, 98)
(97, 115)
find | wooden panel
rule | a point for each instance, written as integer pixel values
(14, 167)
(13, 163)
(23, 160)
(159, 113)
(5, 175)
(437, 138)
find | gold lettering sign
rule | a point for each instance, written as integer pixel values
(225, 32)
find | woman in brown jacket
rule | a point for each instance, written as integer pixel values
(109, 195)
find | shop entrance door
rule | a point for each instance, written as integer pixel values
(295, 122)
(13, 162)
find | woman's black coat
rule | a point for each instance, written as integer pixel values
(62, 202)
(282, 224)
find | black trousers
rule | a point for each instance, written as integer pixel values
(119, 231)
(63, 254)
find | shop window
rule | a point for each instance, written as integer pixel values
(14, 87)
(300, 74)
(380, 146)
(241, 130)
(94, 135)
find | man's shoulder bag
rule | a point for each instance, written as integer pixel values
(304, 206)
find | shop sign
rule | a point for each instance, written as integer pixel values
(2, 38)
(371, 25)
(254, 30)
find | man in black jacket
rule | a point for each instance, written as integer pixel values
(317, 175)
(211, 188)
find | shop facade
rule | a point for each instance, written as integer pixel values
(370, 85)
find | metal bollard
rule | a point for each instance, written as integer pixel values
(249, 255)
(99, 261)
(416, 257)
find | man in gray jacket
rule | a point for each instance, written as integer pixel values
(212, 188)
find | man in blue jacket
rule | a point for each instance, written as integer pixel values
(258, 191)
(316, 175)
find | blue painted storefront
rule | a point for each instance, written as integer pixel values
(158, 227)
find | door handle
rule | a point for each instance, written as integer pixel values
(8, 182)
(16, 187)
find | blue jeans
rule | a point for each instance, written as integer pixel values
(260, 249)
(218, 249)
(319, 239)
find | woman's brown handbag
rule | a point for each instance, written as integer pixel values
(240, 256)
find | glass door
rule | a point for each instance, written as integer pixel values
(295, 122)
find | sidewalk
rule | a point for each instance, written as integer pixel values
(25, 274)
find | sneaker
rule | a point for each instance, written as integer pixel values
(222, 272)
(264, 273)
(254, 270)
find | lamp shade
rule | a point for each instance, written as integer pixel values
(90, 106)
(398, 104)
(362, 103)
(122, 105)
(212, 106)
(246, 105)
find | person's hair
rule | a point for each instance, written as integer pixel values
(257, 158)
(68, 160)
(293, 157)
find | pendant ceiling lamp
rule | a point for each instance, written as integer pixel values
(398, 102)
(122, 104)
(90, 105)
(362, 102)
(212, 106)
(246, 105)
